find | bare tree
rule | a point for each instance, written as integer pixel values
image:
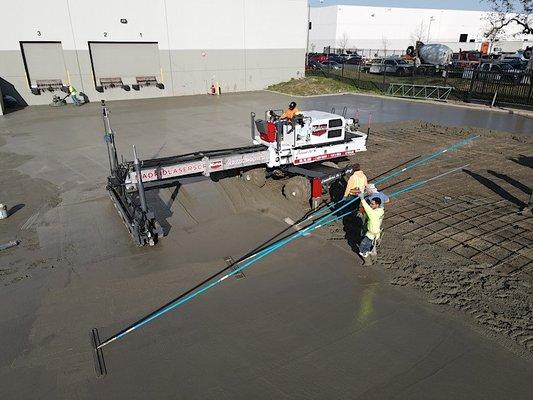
(384, 45)
(418, 34)
(343, 41)
(504, 13)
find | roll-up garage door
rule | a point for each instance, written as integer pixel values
(127, 61)
(44, 61)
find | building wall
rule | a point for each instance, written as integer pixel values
(395, 28)
(241, 44)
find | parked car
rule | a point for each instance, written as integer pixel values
(355, 60)
(336, 58)
(515, 62)
(393, 66)
(498, 67)
(314, 65)
(500, 72)
(342, 58)
(331, 65)
(318, 57)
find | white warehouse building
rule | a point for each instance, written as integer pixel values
(126, 49)
(392, 28)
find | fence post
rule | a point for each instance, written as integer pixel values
(469, 95)
(494, 99)
(384, 73)
(342, 73)
(530, 85)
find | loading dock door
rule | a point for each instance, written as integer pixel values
(126, 61)
(44, 62)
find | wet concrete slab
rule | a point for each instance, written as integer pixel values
(307, 322)
(392, 110)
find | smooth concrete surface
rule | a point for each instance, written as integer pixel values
(379, 109)
(307, 322)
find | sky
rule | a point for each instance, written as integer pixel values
(441, 4)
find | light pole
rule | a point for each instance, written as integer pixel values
(431, 19)
(308, 29)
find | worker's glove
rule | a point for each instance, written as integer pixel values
(361, 195)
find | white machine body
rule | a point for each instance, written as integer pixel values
(317, 136)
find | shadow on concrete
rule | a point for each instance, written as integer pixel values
(353, 229)
(336, 190)
(496, 188)
(272, 241)
(162, 211)
(15, 208)
(12, 99)
(352, 225)
(511, 181)
(521, 159)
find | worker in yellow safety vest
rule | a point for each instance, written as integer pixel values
(356, 183)
(374, 217)
(72, 92)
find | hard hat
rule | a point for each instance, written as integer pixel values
(292, 105)
(371, 188)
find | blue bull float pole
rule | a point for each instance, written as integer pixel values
(321, 222)
(417, 163)
(426, 159)
(254, 258)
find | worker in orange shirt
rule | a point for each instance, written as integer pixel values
(291, 111)
(356, 183)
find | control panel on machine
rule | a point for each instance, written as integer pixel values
(308, 128)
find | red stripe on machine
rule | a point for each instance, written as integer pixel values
(322, 157)
(215, 164)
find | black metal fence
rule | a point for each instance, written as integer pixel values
(513, 88)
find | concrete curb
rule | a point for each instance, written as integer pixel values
(480, 107)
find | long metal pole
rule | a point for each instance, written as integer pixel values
(404, 190)
(252, 126)
(321, 222)
(107, 137)
(110, 139)
(274, 246)
(308, 23)
(408, 167)
(426, 159)
(257, 257)
(140, 186)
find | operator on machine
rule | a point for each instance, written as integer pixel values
(291, 112)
